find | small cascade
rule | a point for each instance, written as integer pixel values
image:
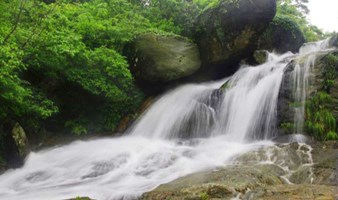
(301, 75)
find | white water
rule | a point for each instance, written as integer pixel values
(192, 128)
(301, 76)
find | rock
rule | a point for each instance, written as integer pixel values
(282, 35)
(224, 183)
(128, 120)
(81, 198)
(294, 192)
(334, 41)
(249, 178)
(160, 58)
(323, 79)
(15, 145)
(229, 29)
(325, 156)
(260, 56)
(285, 111)
(20, 139)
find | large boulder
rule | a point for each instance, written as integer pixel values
(230, 29)
(162, 58)
(282, 35)
(334, 41)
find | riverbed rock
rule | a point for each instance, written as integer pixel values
(281, 35)
(229, 29)
(162, 58)
(252, 178)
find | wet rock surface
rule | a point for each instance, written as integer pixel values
(283, 171)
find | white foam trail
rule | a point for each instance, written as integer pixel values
(114, 168)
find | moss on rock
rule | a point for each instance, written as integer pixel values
(162, 58)
(281, 35)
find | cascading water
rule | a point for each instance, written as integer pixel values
(301, 77)
(243, 109)
(192, 128)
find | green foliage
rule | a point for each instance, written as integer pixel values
(204, 4)
(51, 54)
(76, 127)
(288, 126)
(330, 74)
(204, 196)
(297, 11)
(320, 121)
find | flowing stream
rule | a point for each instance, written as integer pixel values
(192, 128)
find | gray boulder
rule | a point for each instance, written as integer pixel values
(282, 35)
(230, 29)
(160, 58)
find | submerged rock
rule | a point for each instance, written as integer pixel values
(162, 58)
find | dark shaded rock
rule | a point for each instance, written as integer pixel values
(159, 58)
(20, 140)
(334, 41)
(229, 29)
(285, 112)
(281, 35)
(260, 56)
(14, 147)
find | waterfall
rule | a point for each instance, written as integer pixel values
(244, 109)
(191, 128)
(301, 76)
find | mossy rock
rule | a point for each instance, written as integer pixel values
(282, 35)
(162, 58)
(229, 29)
(260, 56)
